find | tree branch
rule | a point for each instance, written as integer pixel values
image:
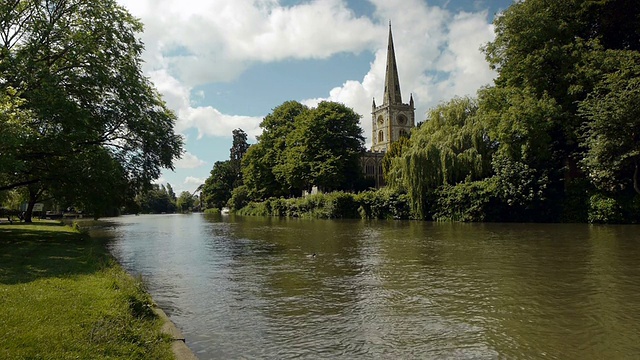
(19, 184)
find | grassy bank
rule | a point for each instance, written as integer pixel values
(62, 296)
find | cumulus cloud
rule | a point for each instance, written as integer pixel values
(189, 161)
(207, 120)
(210, 41)
(194, 42)
(190, 180)
(438, 55)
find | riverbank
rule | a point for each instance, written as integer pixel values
(62, 296)
(379, 204)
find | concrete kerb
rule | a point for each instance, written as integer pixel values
(179, 347)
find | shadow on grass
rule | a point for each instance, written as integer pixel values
(47, 250)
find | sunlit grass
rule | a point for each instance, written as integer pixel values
(62, 296)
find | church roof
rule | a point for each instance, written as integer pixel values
(392, 93)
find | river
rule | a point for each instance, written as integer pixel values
(244, 287)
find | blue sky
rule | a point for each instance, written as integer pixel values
(225, 64)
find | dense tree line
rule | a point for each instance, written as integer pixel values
(79, 121)
(300, 148)
(556, 138)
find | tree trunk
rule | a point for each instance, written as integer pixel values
(29, 213)
(34, 194)
(636, 183)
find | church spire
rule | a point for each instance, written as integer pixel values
(391, 82)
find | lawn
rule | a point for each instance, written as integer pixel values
(62, 296)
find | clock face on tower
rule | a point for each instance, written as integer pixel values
(380, 120)
(402, 120)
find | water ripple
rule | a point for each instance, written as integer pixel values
(247, 288)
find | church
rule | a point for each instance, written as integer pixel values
(390, 121)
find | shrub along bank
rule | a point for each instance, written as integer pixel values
(487, 200)
(62, 296)
(380, 204)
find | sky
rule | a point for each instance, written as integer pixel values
(225, 64)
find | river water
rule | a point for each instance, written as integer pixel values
(245, 287)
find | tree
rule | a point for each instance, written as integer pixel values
(171, 193)
(237, 152)
(218, 186)
(546, 54)
(450, 147)
(612, 130)
(261, 158)
(155, 200)
(77, 66)
(185, 202)
(396, 150)
(323, 150)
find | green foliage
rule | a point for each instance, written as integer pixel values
(217, 189)
(260, 160)
(381, 204)
(519, 186)
(396, 150)
(450, 147)
(239, 198)
(603, 209)
(186, 202)
(87, 115)
(154, 201)
(212, 211)
(612, 130)
(301, 148)
(575, 204)
(236, 153)
(468, 201)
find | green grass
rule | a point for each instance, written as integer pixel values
(62, 296)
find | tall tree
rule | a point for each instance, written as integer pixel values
(219, 185)
(77, 65)
(186, 202)
(450, 147)
(261, 158)
(612, 129)
(236, 153)
(540, 46)
(323, 150)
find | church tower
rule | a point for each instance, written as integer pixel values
(392, 119)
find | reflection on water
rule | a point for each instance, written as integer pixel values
(251, 288)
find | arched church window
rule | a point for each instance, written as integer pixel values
(403, 133)
(380, 136)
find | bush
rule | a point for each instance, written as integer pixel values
(380, 204)
(239, 198)
(383, 204)
(341, 205)
(212, 211)
(604, 210)
(467, 201)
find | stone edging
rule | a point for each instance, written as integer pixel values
(179, 347)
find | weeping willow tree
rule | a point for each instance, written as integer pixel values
(450, 147)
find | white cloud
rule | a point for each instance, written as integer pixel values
(438, 56)
(190, 180)
(205, 41)
(207, 120)
(160, 180)
(189, 161)
(194, 42)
